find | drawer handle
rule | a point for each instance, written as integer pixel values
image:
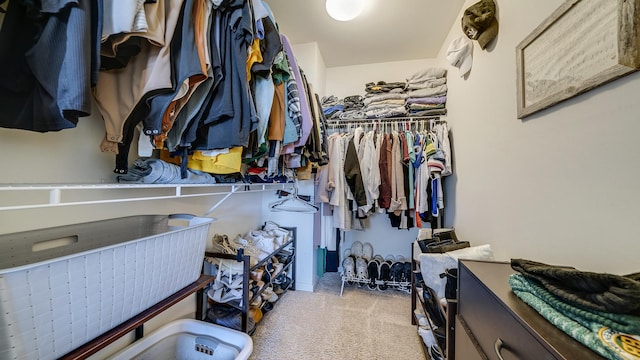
(498, 348)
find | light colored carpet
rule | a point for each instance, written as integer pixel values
(362, 324)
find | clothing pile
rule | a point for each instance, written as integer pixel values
(332, 107)
(349, 108)
(601, 311)
(427, 93)
(423, 94)
(212, 85)
(396, 172)
(385, 100)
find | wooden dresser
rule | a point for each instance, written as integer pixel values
(493, 323)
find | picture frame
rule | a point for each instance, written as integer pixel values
(580, 46)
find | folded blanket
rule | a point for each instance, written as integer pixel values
(597, 291)
(610, 335)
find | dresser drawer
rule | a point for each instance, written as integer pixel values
(492, 312)
(466, 345)
(488, 321)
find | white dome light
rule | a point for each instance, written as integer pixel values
(344, 10)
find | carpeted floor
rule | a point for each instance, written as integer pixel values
(360, 324)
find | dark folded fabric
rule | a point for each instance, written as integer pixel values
(594, 291)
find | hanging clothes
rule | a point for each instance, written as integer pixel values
(46, 64)
(401, 170)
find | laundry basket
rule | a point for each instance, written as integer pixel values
(188, 339)
(62, 287)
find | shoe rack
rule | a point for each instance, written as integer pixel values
(425, 299)
(286, 250)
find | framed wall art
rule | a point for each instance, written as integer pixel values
(582, 45)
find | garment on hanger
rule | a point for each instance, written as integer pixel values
(408, 166)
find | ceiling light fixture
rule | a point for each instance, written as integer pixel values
(344, 10)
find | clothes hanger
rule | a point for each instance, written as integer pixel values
(293, 203)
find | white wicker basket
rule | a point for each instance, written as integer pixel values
(62, 287)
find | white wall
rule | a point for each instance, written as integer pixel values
(559, 187)
(310, 60)
(351, 80)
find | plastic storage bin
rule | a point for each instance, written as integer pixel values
(62, 287)
(188, 339)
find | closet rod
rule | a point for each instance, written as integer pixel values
(394, 119)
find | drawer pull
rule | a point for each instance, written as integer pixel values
(498, 347)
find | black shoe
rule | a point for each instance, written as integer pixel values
(372, 268)
(435, 353)
(431, 304)
(385, 271)
(396, 272)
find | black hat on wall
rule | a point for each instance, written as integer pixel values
(479, 22)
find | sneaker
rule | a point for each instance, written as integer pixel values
(372, 268)
(431, 305)
(281, 236)
(383, 275)
(356, 249)
(349, 267)
(224, 295)
(406, 271)
(262, 241)
(396, 272)
(427, 336)
(220, 244)
(384, 271)
(367, 251)
(361, 268)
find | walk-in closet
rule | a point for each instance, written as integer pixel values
(320, 179)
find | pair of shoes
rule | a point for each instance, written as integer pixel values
(263, 241)
(281, 236)
(383, 274)
(221, 244)
(396, 272)
(361, 269)
(367, 251)
(373, 270)
(277, 265)
(267, 306)
(349, 267)
(357, 249)
(224, 295)
(229, 317)
(385, 270)
(282, 287)
(406, 271)
(269, 295)
(255, 313)
(432, 306)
